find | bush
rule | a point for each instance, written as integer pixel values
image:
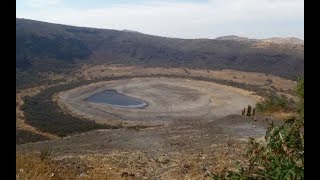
(300, 93)
(283, 155)
(281, 158)
(275, 103)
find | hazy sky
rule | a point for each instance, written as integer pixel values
(175, 18)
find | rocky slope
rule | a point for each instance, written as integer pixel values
(52, 47)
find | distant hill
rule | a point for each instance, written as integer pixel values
(52, 47)
(278, 40)
(289, 40)
(126, 30)
(233, 38)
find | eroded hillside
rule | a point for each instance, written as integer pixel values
(52, 47)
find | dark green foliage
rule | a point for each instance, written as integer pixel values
(275, 103)
(283, 155)
(300, 93)
(41, 112)
(27, 78)
(281, 158)
(300, 88)
(23, 136)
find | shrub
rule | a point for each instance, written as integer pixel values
(283, 155)
(300, 93)
(281, 158)
(275, 103)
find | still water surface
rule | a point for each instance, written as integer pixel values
(112, 97)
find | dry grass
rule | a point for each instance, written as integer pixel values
(127, 166)
(36, 166)
(130, 165)
(281, 114)
(252, 78)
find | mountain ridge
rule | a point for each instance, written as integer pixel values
(224, 37)
(280, 40)
(45, 46)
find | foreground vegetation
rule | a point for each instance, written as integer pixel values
(282, 157)
(274, 103)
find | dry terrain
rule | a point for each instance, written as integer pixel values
(190, 129)
(167, 98)
(195, 90)
(187, 148)
(253, 78)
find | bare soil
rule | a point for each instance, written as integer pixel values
(185, 149)
(251, 78)
(196, 128)
(167, 98)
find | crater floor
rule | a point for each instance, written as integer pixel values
(168, 99)
(199, 130)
